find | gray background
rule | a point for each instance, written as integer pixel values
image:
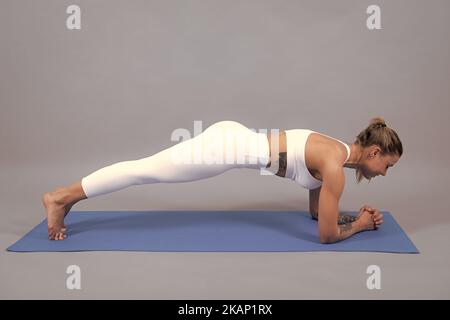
(75, 101)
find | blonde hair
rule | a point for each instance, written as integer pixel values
(378, 133)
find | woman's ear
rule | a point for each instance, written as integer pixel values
(374, 151)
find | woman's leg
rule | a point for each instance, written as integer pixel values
(209, 154)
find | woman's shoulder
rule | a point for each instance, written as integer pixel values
(324, 152)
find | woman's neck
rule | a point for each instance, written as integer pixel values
(355, 156)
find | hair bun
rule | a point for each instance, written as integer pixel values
(377, 122)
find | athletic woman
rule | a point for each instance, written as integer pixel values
(311, 159)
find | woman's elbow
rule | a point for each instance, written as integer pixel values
(328, 238)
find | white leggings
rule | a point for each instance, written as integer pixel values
(222, 146)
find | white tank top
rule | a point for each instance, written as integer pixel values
(296, 165)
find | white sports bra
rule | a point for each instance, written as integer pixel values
(296, 165)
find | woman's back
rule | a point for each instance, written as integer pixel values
(302, 152)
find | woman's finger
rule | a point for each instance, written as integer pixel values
(377, 215)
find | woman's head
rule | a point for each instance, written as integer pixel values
(380, 149)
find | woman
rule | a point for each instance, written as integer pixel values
(313, 160)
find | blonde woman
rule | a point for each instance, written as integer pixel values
(312, 159)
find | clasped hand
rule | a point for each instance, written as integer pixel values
(370, 218)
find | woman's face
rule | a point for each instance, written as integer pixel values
(375, 163)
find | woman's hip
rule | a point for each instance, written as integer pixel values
(227, 143)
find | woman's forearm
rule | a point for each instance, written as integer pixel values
(348, 229)
(342, 219)
(346, 218)
(344, 231)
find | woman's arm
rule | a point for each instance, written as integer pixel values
(314, 207)
(332, 186)
(314, 202)
(346, 218)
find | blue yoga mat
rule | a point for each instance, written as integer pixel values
(210, 231)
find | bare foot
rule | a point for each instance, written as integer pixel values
(56, 209)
